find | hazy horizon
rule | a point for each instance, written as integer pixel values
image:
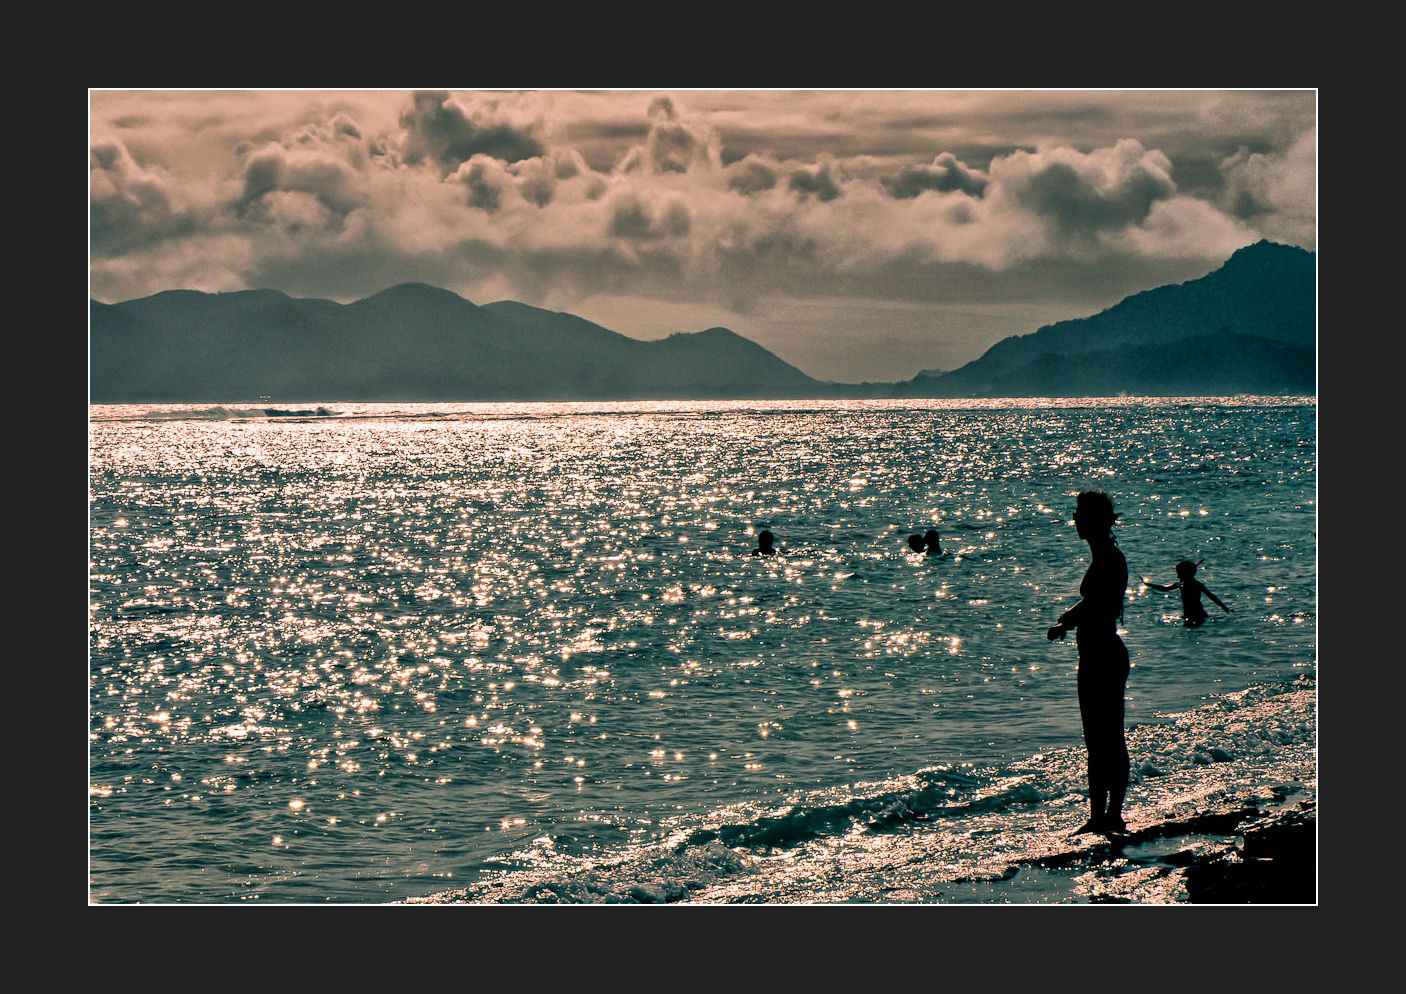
(858, 235)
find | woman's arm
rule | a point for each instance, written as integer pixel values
(1069, 619)
(1106, 584)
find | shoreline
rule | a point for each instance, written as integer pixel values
(1222, 811)
(1250, 853)
(1245, 855)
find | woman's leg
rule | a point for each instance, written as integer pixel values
(1119, 763)
(1103, 674)
(1090, 710)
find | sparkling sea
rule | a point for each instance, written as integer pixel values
(521, 653)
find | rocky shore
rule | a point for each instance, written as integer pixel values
(1243, 856)
(1275, 862)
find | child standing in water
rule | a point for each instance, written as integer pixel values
(1191, 590)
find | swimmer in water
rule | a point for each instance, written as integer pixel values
(1191, 590)
(764, 544)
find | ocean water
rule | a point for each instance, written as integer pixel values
(521, 652)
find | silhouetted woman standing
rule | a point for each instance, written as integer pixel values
(1103, 661)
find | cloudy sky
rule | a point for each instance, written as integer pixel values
(858, 234)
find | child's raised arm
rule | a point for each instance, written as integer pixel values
(1213, 597)
(1158, 586)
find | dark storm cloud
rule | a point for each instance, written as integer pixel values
(819, 180)
(438, 129)
(1085, 194)
(945, 175)
(1199, 175)
(325, 177)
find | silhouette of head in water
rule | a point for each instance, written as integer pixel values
(933, 542)
(915, 542)
(1094, 516)
(1186, 570)
(764, 544)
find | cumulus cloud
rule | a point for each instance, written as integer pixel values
(439, 129)
(1277, 191)
(560, 173)
(537, 178)
(1078, 194)
(818, 181)
(945, 175)
(309, 170)
(486, 180)
(752, 174)
(633, 217)
(674, 144)
(130, 205)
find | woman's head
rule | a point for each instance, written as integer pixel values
(1094, 515)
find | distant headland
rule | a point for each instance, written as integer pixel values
(1249, 327)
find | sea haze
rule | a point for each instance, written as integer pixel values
(521, 652)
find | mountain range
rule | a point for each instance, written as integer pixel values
(1248, 327)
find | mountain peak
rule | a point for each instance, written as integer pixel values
(410, 342)
(1267, 253)
(414, 291)
(1248, 327)
(717, 331)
